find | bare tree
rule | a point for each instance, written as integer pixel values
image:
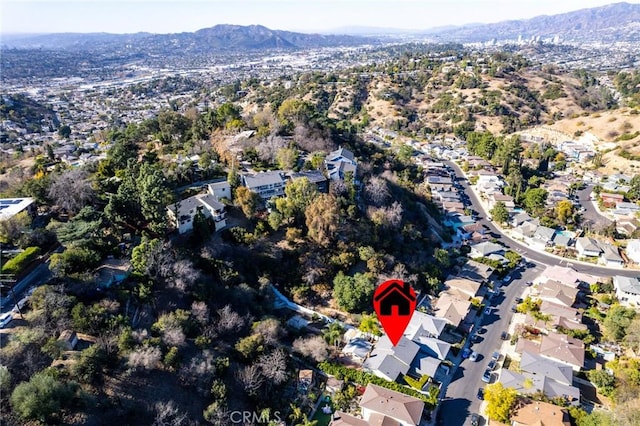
(146, 357)
(312, 139)
(185, 274)
(270, 330)
(229, 321)
(250, 378)
(314, 347)
(71, 190)
(377, 191)
(268, 148)
(168, 414)
(386, 217)
(173, 336)
(199, 372)
(274, 366)
(200, 312)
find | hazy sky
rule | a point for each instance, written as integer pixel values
(120, 16)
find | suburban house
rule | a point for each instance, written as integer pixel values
(339, 163)
(610, 200)
(464, 288)
(265, 184)
(381, 406)
(557, 292)
(391, 362)
(425, 325)
(457, 220)
(562, 316)
(476, 271)
(525, 230)
(561, 240)
(626, 208)
(357, 348)
(520, 218)
(182, 213)
(556, 346)
(452, 309)
(537, 413)
(439, 183)
(538, 374)
(587, 247)
(627, 290)
(633, 250)
(9, 207)
(497, 197)
(610, 255)
(315, 176)
(568, 276)
(543, 235)
(627, 226)
(485, 249)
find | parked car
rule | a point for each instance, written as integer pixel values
(529, 283)
(487, 310)
(465, 353)
(514, 308)
(474, 356)
(495, 356)
(475, 419)
(5, 319)
(486, 377)
(504, 335)
(480, 394)
(507, 279)
(492, 364)
(475, 338)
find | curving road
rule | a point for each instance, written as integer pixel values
(460, 399)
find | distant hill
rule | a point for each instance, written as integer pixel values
(614, 22)
(220, 38)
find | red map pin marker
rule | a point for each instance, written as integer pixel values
(394, 302)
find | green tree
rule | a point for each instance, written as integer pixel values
(564, 211)
(604, 381)
(369, 324)
(154, 197)
(5, 379)
(333, 334)
(12, 229)
(617, 321)
(64, 131)
(299, 195)
(353, 294)
(442, 257)
(287, 158)
(39, 398)
(499, 212)
(500, 401)
(247, 200)
(534, 200)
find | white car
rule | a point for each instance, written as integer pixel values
(5, 319)
(474, 356)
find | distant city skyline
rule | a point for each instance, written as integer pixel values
(119, 16)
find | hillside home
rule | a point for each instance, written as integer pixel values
(525, 230)
(497, 197)
(265, 184)
(182, 213)
(339, 163)
(220, 190)
(543, 236)
(10, 207)
(520, 218)
(464, 288)
(476, 271)
(627, 290)
(557, 292)
(314, 176)
(391, 362)
(451, 308)
(485, 249)
(627, 226)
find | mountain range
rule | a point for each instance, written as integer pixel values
(614, 22)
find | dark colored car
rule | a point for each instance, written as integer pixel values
(480, 394)
(486, 377)
(475, 338)
(475, 419)
(465, 353)
(492, 365)
(504, 335)
(514, 308)
(518, 299)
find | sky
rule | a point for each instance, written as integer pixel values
(164, 16)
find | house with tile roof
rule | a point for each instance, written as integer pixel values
(537, 413)
(452, 308)
(558, 347)
(556, 292)
(461, 287)
(382, 406)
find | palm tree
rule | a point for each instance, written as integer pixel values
(369, 325)
(333, 334)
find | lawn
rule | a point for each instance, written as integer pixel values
(322, 418)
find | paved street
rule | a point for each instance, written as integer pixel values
(594, 218)
(460, 400)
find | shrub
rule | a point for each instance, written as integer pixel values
(17, 264)
(39, 398)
